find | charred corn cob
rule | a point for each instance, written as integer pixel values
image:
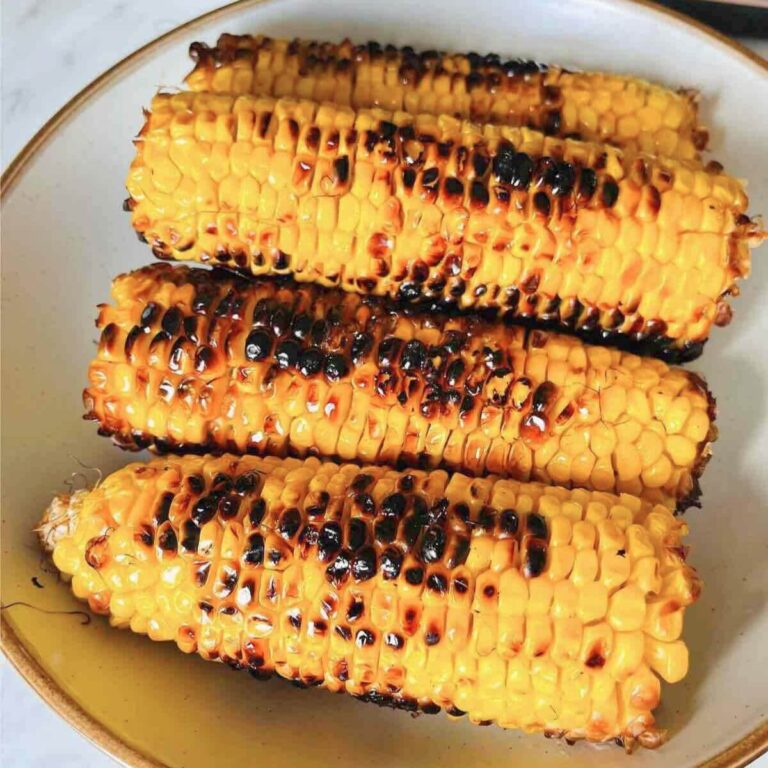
(191, 359)
(537, 608)
(625, 111)
(641, 251)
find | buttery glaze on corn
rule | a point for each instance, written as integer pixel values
(533, 607)
(640, 252)
(191, 359)
(625, 111)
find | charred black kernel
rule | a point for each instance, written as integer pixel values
(258, 345)
(503, 162)
(467, 404)
(309, 536)
(365, 637)
(412, 529)
(509, 521)
(432, 637)
(486, 518)
(202, 301)
(226, 305)
(541, 203)
(409, 291)
(204, 356)
(256, 513)
(109, 334)
(437, 511)
(196, 484)
(457, 289)
(563, 179)
(318, 509)
(520, 170)
(610, 193)
(543, 396)
(394, 640)
(279, 321)
(205, 607)
(167, 540)
(149, 315)
(246, 483)
(455, 712)
(229, 507)
(302, 324)
(384, 530)
(460, 552)
(419, 271)
(387, 129)
(388, 351)
(433, 544)
(478, 194)
(329, 541)
(365, 503)
(406, 484)
(414, 356)
(190, 536)
(341, 168)
(163, 507)
(460, 585)
(537, 526)
(335, 367)
(361, 482)
(204, 509)
(357, 532)
(319, 331)
(535, 558)
(409, 178)
(480, 163)
(313, 137)
(338, 570)
(275, 556)
(362, 344)
(394, 504)
(391, 563)
(364, 564)
(553, 122)
(171, 322)
(489, 591)
(222, 482)
(355, 610)
(287, 353)
(414, 575)
(310, 362)
(343, 632)
(289, 523)
(454, 372)
(453, 186)
(587, 183)
(436, 582)
(429, 176)
(444, 149)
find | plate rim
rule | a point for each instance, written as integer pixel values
(738, 755)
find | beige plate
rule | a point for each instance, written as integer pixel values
(65, 236)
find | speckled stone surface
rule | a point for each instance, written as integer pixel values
(81, 40)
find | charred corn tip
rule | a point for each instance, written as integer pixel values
(639, 252)
(625, 111)
(191, 359)
(537, 608)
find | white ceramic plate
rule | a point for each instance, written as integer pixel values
(65, 237)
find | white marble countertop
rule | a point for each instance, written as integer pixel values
(45, 40)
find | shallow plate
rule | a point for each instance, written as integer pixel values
(65, 237)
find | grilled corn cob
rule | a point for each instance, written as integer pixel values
(537, 608)
(641, 251)
(625, 111)
(191, 359)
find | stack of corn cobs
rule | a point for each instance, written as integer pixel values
(393, 461)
